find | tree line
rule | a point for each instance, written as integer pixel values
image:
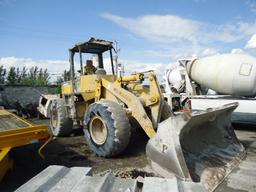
(33, 76)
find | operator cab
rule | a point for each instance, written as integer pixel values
(93, 65)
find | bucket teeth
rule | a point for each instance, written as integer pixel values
(200, 147)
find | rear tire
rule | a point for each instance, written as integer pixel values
(60, 123)
(107, 128)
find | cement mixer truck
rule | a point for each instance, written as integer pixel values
(214, 81)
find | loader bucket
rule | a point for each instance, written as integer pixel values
(198, 146)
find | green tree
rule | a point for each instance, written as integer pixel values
(11, 77)
(33, 73)
(18, 76)
(2, 74)
(46, 77)
(34, 76)
(40, 77)
(23, 73)
(23, 76)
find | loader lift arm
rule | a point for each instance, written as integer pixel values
(136, 104)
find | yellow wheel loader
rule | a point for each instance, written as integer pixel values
(199, 146)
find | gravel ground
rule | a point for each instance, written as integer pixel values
(73, 151)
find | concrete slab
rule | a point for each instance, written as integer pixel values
(55, 178)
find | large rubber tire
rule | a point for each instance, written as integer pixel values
(115, 125)
(60, 124)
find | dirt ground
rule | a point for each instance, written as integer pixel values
(73, 151)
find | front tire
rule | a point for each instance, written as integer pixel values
(60, 123)
(107, 128)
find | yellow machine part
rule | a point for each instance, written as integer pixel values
(6, 162)
(14, 132)
(96, 87)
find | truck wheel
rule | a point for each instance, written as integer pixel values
(60, 123)
(107, 128)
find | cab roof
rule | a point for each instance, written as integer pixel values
(93, 46)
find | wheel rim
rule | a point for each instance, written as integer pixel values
(98, 130)
(54, 118)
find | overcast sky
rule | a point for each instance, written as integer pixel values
(151, 33)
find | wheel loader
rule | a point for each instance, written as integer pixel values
(200, 147)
